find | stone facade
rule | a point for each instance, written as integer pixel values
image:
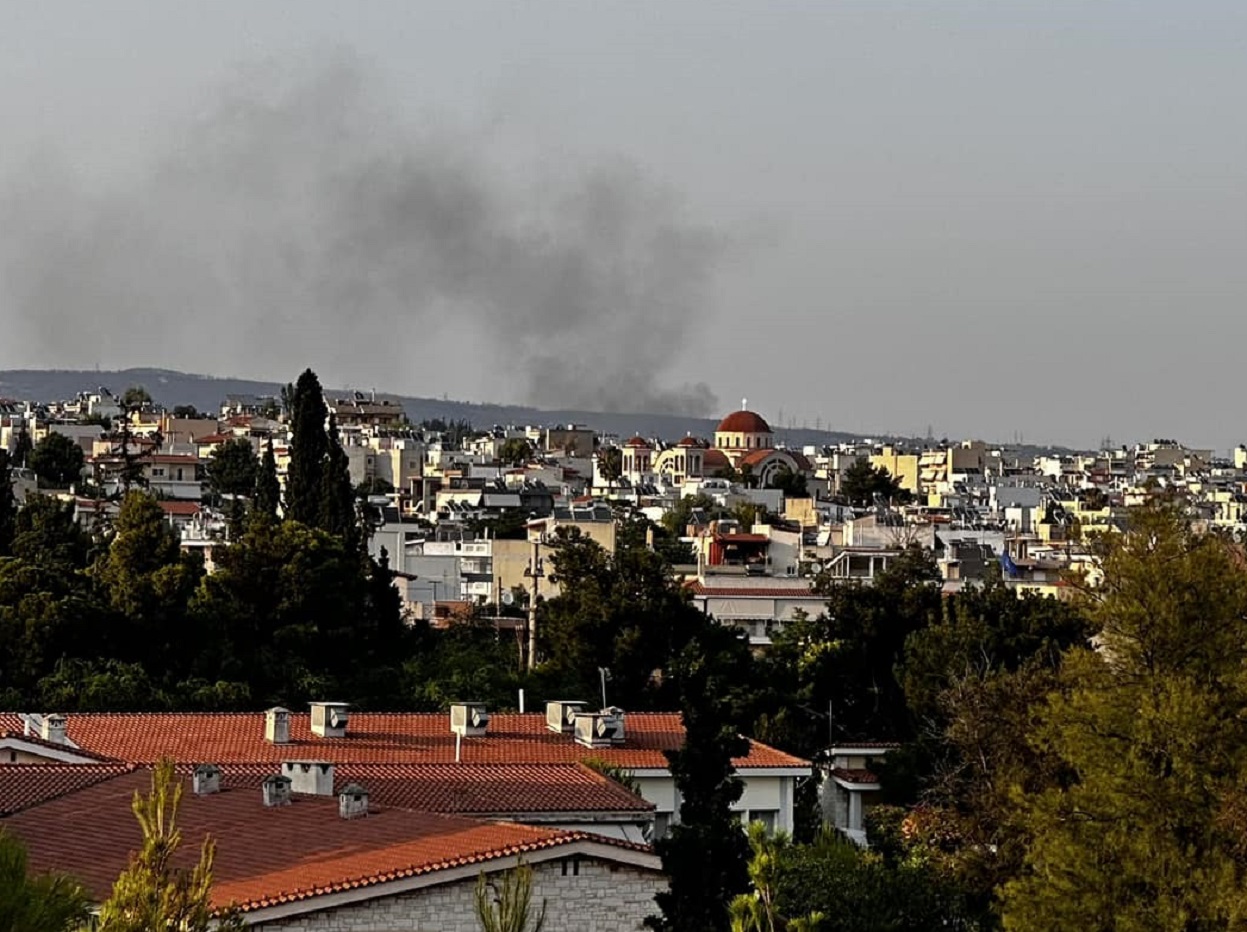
(581, 896)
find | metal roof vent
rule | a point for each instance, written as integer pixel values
(599, 729)
(313, 777)
(561, 716)
(276, 790)
(353, 802)
(206, 780)
(469, 719)
(329, 719)
(277, 725)
(54, 728)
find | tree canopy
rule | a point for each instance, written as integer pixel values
(57, 460)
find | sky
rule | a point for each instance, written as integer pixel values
(980, 219)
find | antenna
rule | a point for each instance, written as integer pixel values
(744, 404)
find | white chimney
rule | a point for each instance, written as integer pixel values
(54, 728)
(469, 719)
(599, 729)
(561, 716)
(277, 725)
(313, 777)
(206, 780)
(329, 719)
(353, 802)
(276, 790)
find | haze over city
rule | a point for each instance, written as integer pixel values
(987, 219)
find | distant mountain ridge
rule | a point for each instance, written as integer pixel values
(169, 387)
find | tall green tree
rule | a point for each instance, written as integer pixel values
(1146, 831)
(309, 450)
(22, 447)
(8, 505)
(625, 612)
(36, 902)
(57, 460)
(147, 582)
(862, 482)
(232, 468)
(266, 497)
(153, 893)
(706, 855)
(337, 497)
(44, 531)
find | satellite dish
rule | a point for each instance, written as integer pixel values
(508, 598)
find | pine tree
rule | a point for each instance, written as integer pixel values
(1147, 832)
(8, 505)
(267, 496)
(309, 451)
(151, 894)
(39, 903)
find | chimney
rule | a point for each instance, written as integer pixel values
(313, 777)
(599, 729)
(54, 727)
(353, 802)
(329, 719)
(276, 790)
(469, 719)
(277, 725)
(206, 780)
(561, 716)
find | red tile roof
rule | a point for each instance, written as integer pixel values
(19, 733)
(470, 789)
(186, 509)
(855, 775)
(382, 738)
(743, 422)
(269, 856)
(26, 785)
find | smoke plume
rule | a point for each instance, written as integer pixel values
(298, 220)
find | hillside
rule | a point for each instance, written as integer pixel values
(206, 392)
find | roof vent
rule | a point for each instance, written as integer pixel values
(329, 719)
(206, 780)
(54, 728)
(353, 802)
(313, 777)
(600, 729)
(276, 790)
(469, 719)
(561, 716)
(277, 725)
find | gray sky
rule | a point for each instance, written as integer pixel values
(985, 217)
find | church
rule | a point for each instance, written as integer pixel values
(743, 448)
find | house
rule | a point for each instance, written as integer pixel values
(770, 776)
(758, 605)
(342, 862)
(851, 787)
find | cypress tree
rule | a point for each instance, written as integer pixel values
(337, 498)
(706, 855)
(309, 449)
(267, 495)
(8, 505)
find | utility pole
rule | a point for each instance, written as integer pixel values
(534, 572)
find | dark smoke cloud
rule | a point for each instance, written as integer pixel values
(297, 221)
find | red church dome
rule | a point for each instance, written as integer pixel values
(743, 422)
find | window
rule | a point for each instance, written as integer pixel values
(766, 816)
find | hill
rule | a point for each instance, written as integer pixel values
(171, 388)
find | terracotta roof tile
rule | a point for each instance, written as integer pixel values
(26, 785)
(381, 738)
(743, 422)
(267, 856)
(469, 789)
(855, 775)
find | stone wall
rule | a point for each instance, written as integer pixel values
(588, 896)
